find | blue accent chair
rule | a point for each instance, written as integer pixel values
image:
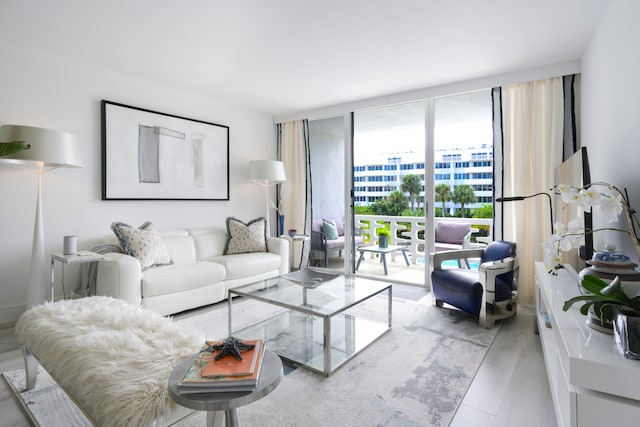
(489, 292)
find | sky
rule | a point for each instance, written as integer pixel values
(461, 121)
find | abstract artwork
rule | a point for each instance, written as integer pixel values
(148, 155)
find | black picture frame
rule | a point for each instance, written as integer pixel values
(148, 155)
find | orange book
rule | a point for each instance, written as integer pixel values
(229, 366)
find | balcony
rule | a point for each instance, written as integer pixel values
(406, 231)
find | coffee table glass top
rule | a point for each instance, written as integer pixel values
(325, 298)
(323, 325)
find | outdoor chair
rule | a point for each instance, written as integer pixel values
(452, 235)
(322, 243)
(489, 292)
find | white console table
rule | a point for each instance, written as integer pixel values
(591, 384)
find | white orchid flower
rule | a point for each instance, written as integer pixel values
(611, 206)
(589, 198)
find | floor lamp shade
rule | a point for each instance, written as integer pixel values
(47, 150)
(267, 173)
(53, 148)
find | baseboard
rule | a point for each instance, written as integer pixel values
(10, 314)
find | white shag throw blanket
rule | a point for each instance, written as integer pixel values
(114, 359)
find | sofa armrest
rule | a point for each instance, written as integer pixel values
(278, 246)
(120, 276)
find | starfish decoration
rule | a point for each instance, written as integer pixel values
(231, 346)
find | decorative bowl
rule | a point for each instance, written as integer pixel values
(292, 232)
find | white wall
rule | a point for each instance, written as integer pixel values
(38, 89)
(611, 109)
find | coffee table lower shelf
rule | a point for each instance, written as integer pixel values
(299, 338)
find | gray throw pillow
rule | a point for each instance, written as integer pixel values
(244, 238)
(143, 243)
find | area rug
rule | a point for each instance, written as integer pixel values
(414, 375)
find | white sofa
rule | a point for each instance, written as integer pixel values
(200, 273)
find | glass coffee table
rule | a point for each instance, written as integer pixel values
(322, 325)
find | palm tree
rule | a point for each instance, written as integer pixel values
(463, 194)
(397, 202)
(443, 194)
(411, 184)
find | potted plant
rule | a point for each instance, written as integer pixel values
(383, 237)
(604, 299)
(8, 148)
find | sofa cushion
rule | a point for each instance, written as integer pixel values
(245, 238)
(180, 245)
(240, 266)
(329, 229)
(143, 243)
(180, 277)
(209, 241)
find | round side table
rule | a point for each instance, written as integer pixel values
(215, 403)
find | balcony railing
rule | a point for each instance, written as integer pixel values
(409, 231)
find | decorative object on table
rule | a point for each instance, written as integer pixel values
(267, 173)
(175, 158)
(48, 150)
(232, 346)
(626, 333)
(310, 277)
(292, 232)
(207, 373)
(601, 300)
(69, 245)
(383, 237)
(568, 237)
(280, 224)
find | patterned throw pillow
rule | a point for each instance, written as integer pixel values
(329, 229)
(143, 243)
(244, 238)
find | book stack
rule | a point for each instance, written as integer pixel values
(226, 375)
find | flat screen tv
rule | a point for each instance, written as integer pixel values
(575, 172)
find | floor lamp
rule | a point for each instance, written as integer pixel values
(47, 150)
(520, 198)
(267, 173)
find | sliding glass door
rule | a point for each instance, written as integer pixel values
(398, 164)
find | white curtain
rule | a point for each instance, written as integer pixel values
(294, 195)
(532, 115)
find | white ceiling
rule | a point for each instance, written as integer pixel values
(284, 56)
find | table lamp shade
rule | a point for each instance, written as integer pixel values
(54, 149)
(267, 172)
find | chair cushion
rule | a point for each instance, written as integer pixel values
(500, 250)
(459, 287)
(329, 229)
(451, 232)
(245, 238)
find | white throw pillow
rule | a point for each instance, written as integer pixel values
(244, 238)
(143, 243)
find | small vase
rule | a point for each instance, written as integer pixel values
(281, 225)
(383, 241)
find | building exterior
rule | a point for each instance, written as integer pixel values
(472, 166)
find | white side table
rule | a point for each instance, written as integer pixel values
(82, 256)
(296, 238)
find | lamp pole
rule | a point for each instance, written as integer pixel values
(520, 198)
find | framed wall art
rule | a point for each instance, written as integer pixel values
(148, 155)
